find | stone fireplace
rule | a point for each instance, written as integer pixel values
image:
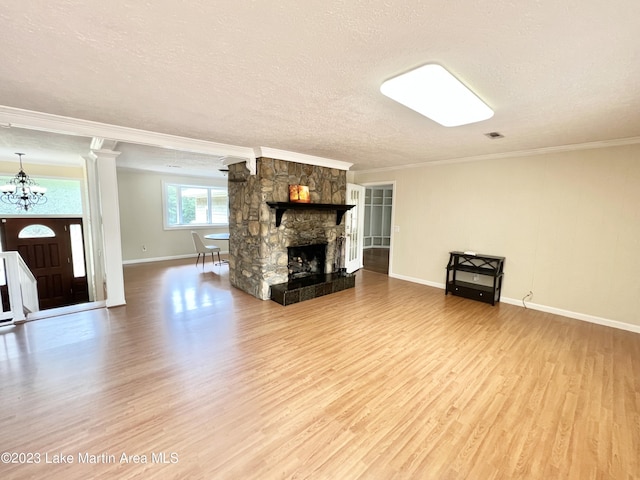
(259, 250)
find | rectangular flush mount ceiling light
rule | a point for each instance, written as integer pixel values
(433, 92)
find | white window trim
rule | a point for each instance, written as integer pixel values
(191, 226)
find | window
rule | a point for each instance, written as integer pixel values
(190, 205)
(77, 250)
(36, 231)
(64, 198)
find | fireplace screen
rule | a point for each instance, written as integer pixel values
(307, 260)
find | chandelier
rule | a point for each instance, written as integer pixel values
(23, 192)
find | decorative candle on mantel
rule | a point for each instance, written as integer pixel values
(299, 194)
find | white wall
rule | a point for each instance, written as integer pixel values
(567, 223)
(140, 195)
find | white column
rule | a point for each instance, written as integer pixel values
(94, 240)
(105, 162)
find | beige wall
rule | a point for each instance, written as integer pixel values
(567, 223)
(9, 169)
(140, 198)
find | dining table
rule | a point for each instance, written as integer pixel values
(218, 236)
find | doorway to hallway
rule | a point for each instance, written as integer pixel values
(377, 227)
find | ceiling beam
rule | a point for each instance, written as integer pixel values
(46, 122)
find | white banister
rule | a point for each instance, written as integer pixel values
(22, 288)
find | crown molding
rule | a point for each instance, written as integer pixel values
(46, 122)
(519, 153)
(301, 158)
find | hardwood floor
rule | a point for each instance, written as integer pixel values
(376, 260)
(386, 380)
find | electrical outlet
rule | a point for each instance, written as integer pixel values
(144, 248)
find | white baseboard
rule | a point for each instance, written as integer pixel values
(575, 315)
(161, 259)
(417, 280)
(543, 308)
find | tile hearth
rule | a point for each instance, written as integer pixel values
(311, 287)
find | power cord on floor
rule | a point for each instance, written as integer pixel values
(527, 296)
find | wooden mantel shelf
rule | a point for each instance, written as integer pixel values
(281, 207)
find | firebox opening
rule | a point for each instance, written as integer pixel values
(307, 260)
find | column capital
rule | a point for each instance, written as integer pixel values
(102, 153)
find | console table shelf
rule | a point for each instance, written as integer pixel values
(489, 267)
(281, 207)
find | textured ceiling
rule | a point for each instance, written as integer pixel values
(42, 147)
(142, 157)
(305, 76)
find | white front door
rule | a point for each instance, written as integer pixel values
(354, 225)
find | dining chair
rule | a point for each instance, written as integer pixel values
(202, 249)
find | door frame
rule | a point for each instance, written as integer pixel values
(89, 258)
(60, 222)
(393, 216)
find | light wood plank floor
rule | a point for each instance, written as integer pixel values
(387, 380)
